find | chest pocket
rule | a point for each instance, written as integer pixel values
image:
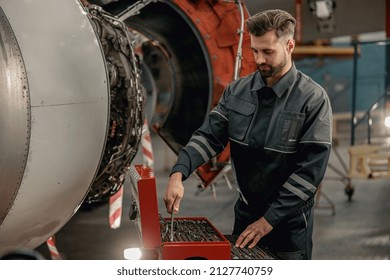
(286, 133)
(240, 117)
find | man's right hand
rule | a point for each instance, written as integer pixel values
(174, 193)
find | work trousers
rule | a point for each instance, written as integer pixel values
(291, 239)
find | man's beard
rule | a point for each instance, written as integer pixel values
(270, 70)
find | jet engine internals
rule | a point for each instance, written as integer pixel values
(126, 104)
(71, 114)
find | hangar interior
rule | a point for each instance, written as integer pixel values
(341, 44)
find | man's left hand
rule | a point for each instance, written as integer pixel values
(254, 232)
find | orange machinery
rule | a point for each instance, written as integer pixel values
(219, 25)
(197, 44)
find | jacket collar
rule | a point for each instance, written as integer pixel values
(281, 86)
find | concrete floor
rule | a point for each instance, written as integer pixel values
(359, 229)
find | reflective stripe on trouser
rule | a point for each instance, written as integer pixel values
(291, 239)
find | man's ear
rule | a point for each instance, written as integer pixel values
(290, 45)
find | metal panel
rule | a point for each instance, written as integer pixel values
(14, 116)
(69, 117)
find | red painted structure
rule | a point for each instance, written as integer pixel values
(219, 23)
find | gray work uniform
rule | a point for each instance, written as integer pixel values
(280, 143)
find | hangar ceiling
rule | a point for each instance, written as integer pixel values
(350, 17)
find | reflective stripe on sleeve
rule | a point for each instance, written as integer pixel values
(204, 142)
(303, 182)
(296, 191)
(200, 150)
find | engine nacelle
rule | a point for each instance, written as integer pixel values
(71, 114)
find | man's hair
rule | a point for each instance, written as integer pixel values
(271, 20)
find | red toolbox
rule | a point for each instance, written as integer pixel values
(182, 237)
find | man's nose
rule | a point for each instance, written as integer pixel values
(260, 59)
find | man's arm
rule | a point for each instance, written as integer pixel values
(205, 143)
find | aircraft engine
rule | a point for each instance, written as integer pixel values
(75, 79)
(71, 114)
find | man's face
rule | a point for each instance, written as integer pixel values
(272, 54)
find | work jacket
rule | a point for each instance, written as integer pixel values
(280, 142)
